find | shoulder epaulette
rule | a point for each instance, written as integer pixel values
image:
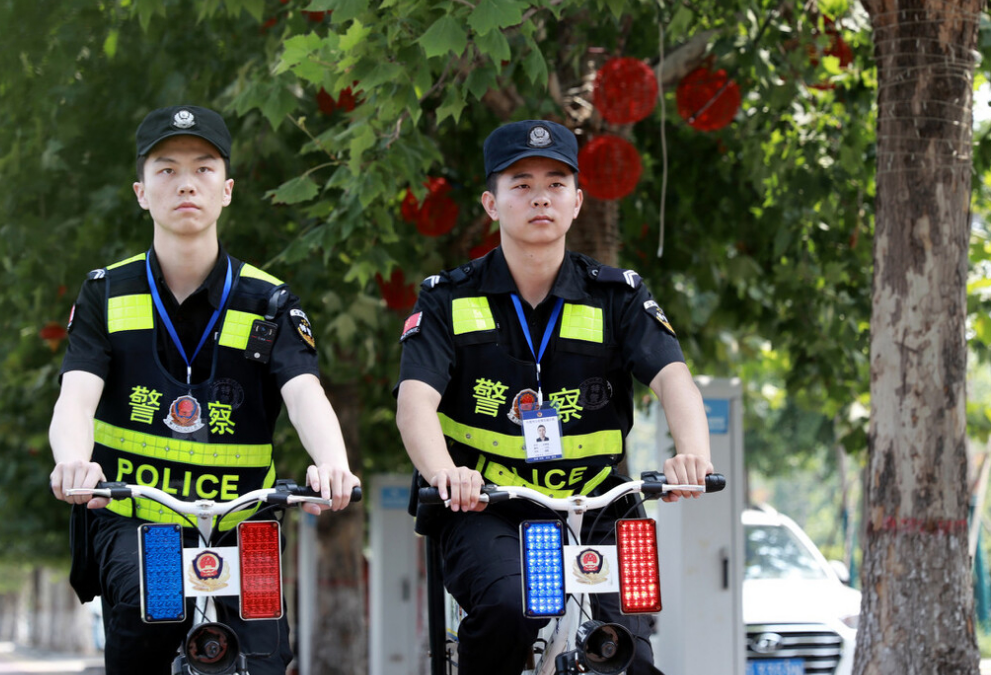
(615, 275)
(458, 275)
(96, 274)
(433, 281)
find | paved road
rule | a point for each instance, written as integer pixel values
(18, 659)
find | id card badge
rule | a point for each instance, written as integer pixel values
(542, 433)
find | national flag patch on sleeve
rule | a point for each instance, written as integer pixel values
(412, 326)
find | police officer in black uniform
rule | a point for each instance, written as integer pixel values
(531, 334)
(178, 363)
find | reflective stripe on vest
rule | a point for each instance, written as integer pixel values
(576, 446)
(471, 314)
(501, 475)
(186, 452)
(237, 329)
(252, 272)
(581, 322)
(135, 258)
(130, 312)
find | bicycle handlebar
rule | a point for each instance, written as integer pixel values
(285, 492)
(651, 483)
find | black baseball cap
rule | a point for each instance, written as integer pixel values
(183, 120)
(530, 138)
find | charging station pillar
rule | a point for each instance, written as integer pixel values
(393, 610)
(700, 629)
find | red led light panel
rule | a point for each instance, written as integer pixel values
(639, 577)
(260, 547)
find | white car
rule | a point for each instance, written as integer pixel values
(801, 617)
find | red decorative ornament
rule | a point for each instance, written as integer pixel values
(346, 101)
(53, 333)
(491, 240)
(707, 99)
(625, 90)
(610, 167)
(398, 295)
(437, 215)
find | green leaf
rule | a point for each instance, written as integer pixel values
(452, 106)
(280, 102)
(680, 23)
(363, 139)
(298, 189)
(494, 45)
(480, 80)
(354, 37)
(110, 43)
(492, 15)
(445, 35)
(296, 50)
(256, 8)
(535, 66)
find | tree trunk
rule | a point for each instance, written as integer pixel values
(341, 635)
(596, 231)
(918, 610)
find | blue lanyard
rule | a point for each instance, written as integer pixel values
(543, 343)
(168, 322)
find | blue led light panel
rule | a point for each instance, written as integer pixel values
(161, 573)
(542, 555)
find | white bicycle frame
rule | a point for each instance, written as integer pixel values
(559, 636)
(204, 511)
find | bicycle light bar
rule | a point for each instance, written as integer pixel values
(639, 577)
(260, 549)
(161, 573)
(543, 567)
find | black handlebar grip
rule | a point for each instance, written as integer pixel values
(117, 490)
(307, 491)
(429, 495)
(715, 482)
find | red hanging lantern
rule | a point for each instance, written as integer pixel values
(610, 167)
(491, 240)
(437, 215)
(625, 90)
(398, 295)
(326, 102)
(707, 99)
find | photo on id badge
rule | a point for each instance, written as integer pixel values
(541, 433)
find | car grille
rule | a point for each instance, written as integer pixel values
(819, 646)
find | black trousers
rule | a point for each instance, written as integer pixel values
(481, 561)
(133, 646)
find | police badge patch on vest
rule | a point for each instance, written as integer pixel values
(655, 311)
(302, 324)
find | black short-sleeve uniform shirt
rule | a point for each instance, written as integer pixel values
(89, 344)
(635, 326)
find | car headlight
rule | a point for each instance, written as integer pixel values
(851, 620)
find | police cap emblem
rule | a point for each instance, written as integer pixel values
(540, 137)
(183, 119)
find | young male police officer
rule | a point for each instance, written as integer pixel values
(531, 329)
(178, 362)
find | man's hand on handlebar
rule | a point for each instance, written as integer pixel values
(686, 469)
(78, 474)
(329, 481)
(461, 485)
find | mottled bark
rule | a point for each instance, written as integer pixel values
(917, 613)
(341, 635)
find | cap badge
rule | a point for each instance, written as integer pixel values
(183, 119)
(540, 137)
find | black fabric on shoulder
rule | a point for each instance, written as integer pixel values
(606, 274)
